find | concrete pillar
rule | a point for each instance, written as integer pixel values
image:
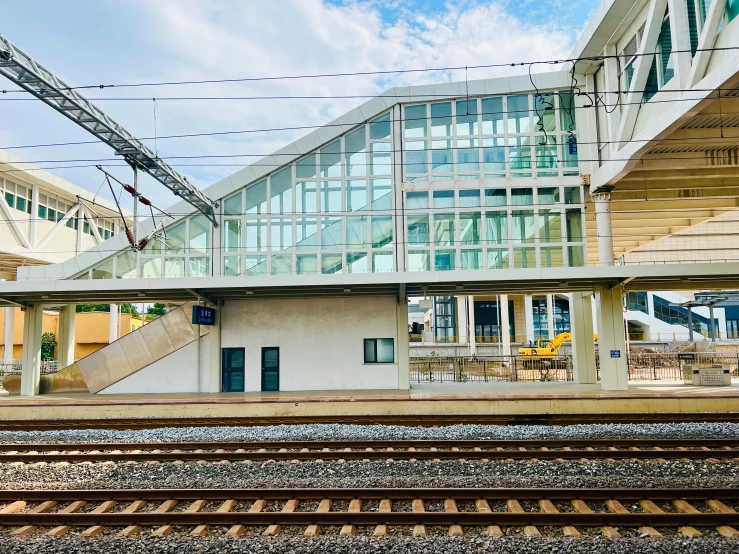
(471, 319)
(583, 346)
(602, 201)
(462, 319)
(505, 325)
(8, 326)
(66, 341)
(210, 378)
(690, 323)
(550, 317)
(404, 345)
(528, 306)
(31, 373)
(614, 373)
(712, 323)
(113, 324)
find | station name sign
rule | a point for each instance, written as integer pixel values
(202, 315)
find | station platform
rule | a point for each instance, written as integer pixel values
(422, 399)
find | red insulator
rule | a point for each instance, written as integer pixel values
(129, 189)
(143, 243)
(144, 200)
(129, 235)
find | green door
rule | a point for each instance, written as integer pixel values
(232, 370)
(270, 369)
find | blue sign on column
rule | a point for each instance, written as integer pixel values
(202, 315)
(615, 353)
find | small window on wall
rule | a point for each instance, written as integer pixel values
(379, 351)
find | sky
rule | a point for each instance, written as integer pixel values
(95, 42)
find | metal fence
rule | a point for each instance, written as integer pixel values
(462, 369)
(14, 367)
(647, 366)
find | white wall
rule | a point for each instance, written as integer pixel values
(321, 340)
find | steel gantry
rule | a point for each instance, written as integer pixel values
(27, 73)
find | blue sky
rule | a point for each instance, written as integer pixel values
(114, 41)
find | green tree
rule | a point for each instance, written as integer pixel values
(157, 309)
(123, 308)
(48, 344)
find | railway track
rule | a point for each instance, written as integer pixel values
(495, 512)
(410, 420)
(557, 449)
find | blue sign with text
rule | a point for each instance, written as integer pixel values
(202, 315)
(615, 353)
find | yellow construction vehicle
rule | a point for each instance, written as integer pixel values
(549, 352)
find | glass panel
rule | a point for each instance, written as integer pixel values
(307, 233)
(469, 198)
(174, 267)
(469, 228)
(567, 111)
(232, 205)
(176, 239)
(576, 256)
(306, 168)
(256, 234)
(199, 266)
(552, 257)
(382, 231)
(523, 226)
(419, 260)
(418, 200)
(415, 121)
(356, 262)
(281, 192)
(125, 265)
(331, 233)
(255, 265)
(665, 48)
(492, 116)
(355, 145)
(493, 154)
(381, 195)
(380, 127)
(468, 155)
(575, 226)
(199, 234)
(572, 195)
(282, 264)
(442, 156)
(471, 259)
(518, 114)
(497, 258)
(150, 268)
(467, 117)
(330, 263)
(282, 234)
(331, 159)
(104, 270)
(444, 229)
(356, 195)
(307, 264)
(418, 230)
(550, 226)
(416, 157)
(524, 257)
(569, 161)
(441, 119)
(497, 227)
(522, 197)
(544, 118)
(382, 262)
(443, 198)
(495, 197)
(256, 198)
(330, 196)
(231, 265)
(380, 158)
(232, 235)
(546, 156)
(369, 351)
(154, 246)
(385, 351)
(305, 197)
(549, 195)
(444, 260)
(356, 232)
(520, 154)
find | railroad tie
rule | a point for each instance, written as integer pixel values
(721, 508)
(75, 506)
(40, 509)
(165, 507)
(132, 530)
(451, 506)
(355, 506)
(547, 507)
(514, 506)
(386, 506)
(95, 530)
(238, 530)
(615, 507)
(419, 507)
(483, 507)
(685, 508)
(274, 529)
(202, 530)
(323, 507)
(191, 509)
(582, 508)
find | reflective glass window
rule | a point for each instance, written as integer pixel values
(231, 265)
(417, 200)
(444, 229)
(493, 154)
(200, 227)
(305, 197)
(199, 266)
(356, 195)
(381, 194)
(416, 156)
(415, 121)
(330, 196)
(380, 158)
(418, 230)
(496, 197)
(550, 226)
(522, 197)
(356, 262)
(176, 238)
(552, 257)
(232, 235)
(282, 264)
(332, 236)
(518, 114)
(442, 156)
(232, 205)
(441, 119)
(255, 265)
(282, 234)
(306, 229)
(497, 227)
(419, 260)
(355, 145)
(174, 267)
(471, 259)
(281, 192)
(305, 168)
(256, 234)
(575, 226)
(356, 232)
(470, 228)
(468, 155)
(382, 262)
(382, 231)
(331, 159)
(443, 198)
(331, 263)
(256, 198)
(467, 117)
(380, 127)
(151, 268)
(497, 258)
(307, 264)
(445, 260)
(523, 226)
(469, 198)
(492, 116)
(104, 270)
